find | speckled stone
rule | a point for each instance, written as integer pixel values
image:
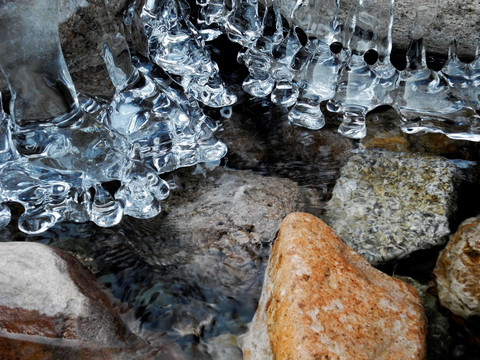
(458, 270)
(387, 205)
(321, 300)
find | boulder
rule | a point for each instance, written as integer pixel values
(49, 304)
(387, 205)
(458, 270)
(321, 300)
(218, 228)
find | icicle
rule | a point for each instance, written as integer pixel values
(318, 78)
(426, 101)
(362, 86)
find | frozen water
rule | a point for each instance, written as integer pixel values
(52, 140)
(58, 149)
(363, 86)
(319, 69)
(178, 47)
(432, 101)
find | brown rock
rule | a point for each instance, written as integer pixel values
(458, 270)
(321, 300)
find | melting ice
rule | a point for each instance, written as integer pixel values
(59, 148)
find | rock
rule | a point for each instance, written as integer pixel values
(260, 137)
(50, 305)
(458, 270)
(457, 19)
(321, 300)
(224, 347)
(83, 24)
(217, 227)
(387, 205)
(210, 245)
(82, 37)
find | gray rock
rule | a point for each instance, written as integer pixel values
(387, 205)
(218, 228)
(458, 19)
(210, 245)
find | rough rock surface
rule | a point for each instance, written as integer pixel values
(387, 205)
(50, 305)
(454, 19)
(321, 300)
(199, 265)
(458, 270)
(218, 228)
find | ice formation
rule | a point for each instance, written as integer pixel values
(59, 148)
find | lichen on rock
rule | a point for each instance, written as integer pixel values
(321, 300)
(387, 205)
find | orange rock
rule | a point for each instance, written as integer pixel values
(321, 300)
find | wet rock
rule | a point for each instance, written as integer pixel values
(387, 205)
(225, 347)
(454, 19)
(50, 305)
(322, 300)
(260, 137)
(458, 270)
(210, 245)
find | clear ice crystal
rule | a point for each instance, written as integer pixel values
(59, 150)
(319, 68)
(178, 47)
(432, 101)
(362, 86)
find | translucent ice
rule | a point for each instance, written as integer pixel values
(178, 47)
(425, 100)
(58, 150)
(363, 86)
(318, 69)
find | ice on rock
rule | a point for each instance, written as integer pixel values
(363, 86)
(318, 74)
(285, 92)
(258, 59)
(243, 24)
(426, 101)
(57, 148)
(178, 47)
(52, 140)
